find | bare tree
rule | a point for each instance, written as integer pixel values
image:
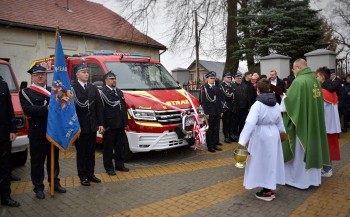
(341, 23)
(217, 24)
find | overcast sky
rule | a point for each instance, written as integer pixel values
(181, 57)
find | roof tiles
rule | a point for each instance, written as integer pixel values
(87, 18)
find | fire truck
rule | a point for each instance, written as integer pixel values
(160, 112)
(20, 145)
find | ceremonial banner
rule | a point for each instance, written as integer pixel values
(63, 126)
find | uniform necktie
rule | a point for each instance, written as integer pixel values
(114, 91)
(84, 86)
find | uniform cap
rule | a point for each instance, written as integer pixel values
(36, 69)
(109, 74)
(210, 74)
(227, 74)
(238, 75)
(81, 66)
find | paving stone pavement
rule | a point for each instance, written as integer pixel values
(180, 182)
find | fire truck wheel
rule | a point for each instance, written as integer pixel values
(191, 141)
(127, 154)
(19, 158)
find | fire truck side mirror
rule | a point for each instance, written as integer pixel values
(24, 84)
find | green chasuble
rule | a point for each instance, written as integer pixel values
(304, 120)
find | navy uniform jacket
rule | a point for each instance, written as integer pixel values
(90, 116)
(114, 116)
(228, 95)
(210, 106)
(7, 116)
(37, 113)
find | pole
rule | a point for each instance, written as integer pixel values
(52, 185)
(52, 178)
(197, 48)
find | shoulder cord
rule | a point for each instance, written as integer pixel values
(208, 97)
(28, 99)
(83, 105)
(226, 93)
(26, 96)
(108, 102)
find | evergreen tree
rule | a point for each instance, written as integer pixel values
(287, 27)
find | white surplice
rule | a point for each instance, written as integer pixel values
(332, 120)
(296, 174)
(265, 167)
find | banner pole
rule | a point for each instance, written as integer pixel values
(52, 185)
(52, 178)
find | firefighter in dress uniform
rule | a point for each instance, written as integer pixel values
(35, 103)
(89, 109)
(115, 122)
(227, 118)
(8, 131)
(211, 103)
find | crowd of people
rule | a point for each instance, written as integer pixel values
(255, 111)
(259, 109)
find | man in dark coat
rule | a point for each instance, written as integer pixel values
(90, 115)
(243, 102)
(227, 117)
(35, 101)
(8, 130)
(276, 81)
(115, 122)
(211, 103)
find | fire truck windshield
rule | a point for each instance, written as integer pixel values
(6, 74)
(142, 76)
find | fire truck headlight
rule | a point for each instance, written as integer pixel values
(145, 115)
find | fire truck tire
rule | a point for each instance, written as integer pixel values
(191, 141)
(19, 158)
(127, 154)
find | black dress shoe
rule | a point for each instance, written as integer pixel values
(219, 143)
(58, 188)
(40, 195)
(217, 149)
(123, 169)
(10, 202)
(85, 182)
(227, 140)
(211, 150)
(111, 172)
(15, 178)
(94, 179)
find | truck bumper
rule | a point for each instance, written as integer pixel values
(20, 144)
(144, 142)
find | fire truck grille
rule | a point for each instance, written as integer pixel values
(169, 116)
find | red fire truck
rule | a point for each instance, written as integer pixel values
(20, 145)
(160, 112)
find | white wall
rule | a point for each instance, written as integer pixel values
(22, 46)
(280, 65)
(315, 62)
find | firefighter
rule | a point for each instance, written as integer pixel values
(228, 96)
(35, 102)
(90, 115)
(211, 103)
(8, 130)
(115, 122)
